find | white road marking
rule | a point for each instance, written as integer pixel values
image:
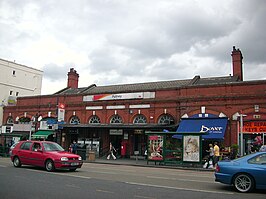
(179, 188)
(103, 172)
(62, 174)
(178, 179)
(113, 168)
(103, 191)
(141, 184)
(137, 196)
(3, 166)
(73, 186)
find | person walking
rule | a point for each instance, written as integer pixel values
(111, 152)
(210, 158)
(74, 147)
(216, 157)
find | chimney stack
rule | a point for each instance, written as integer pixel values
(73, 78)
(237, 63)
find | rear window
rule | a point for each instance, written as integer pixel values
(259, 159)
(25, 146)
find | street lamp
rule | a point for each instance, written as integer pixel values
(241, 134)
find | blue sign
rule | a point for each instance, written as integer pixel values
(209, 128)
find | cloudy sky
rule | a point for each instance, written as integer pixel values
(129, 41)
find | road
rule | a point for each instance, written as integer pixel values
(113, 181)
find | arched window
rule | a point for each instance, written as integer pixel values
(166, 119)
(116, 119)
(94, 120)
(74, 120)
(140, 119)
(10, 120)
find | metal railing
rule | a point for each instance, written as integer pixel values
(4, 151)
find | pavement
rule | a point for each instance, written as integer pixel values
(145, 163)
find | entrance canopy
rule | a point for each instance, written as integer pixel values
(209, 128)
(42, 134)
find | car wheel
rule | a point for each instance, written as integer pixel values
(49, 165)
(73, 169)
(16, 162)
(244, 183)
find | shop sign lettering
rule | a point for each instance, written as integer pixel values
(212, 129)
(254, 127)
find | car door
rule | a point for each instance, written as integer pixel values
(24, 152)
(258, 169)
(37, 156)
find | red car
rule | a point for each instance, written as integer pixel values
(48, 155)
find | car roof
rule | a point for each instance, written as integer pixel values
(39, 141)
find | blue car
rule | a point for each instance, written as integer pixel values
(245, 173)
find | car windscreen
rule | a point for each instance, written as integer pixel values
(52, 147)
(13, 145)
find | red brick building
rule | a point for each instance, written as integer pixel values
(122, 113)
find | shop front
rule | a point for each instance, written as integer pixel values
(126, 139)
(254, 136)
(210, 130)
(48, 135)
(162, 148)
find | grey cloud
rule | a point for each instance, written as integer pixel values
(54, 72)
(134, 41)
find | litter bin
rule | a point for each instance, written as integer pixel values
(82, 153)
(91, 156)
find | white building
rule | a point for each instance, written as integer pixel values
(17, 80)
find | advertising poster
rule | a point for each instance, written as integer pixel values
(191, 148)
(155, 150)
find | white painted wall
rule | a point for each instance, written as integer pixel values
(17, 80)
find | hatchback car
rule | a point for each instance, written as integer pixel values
(245, 173)
(48, 155)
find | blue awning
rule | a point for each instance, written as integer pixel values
(209, 128)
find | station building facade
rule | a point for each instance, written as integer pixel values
(95, 115)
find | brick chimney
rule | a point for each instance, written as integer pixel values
(73, 78)
(237, 63)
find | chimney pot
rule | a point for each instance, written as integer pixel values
(237, 63)
(73, 78)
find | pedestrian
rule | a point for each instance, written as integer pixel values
(210, 157)
(111, 152)
(216, 156)
(70, 148)
(74, 147)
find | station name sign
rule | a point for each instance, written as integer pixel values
(119, 96)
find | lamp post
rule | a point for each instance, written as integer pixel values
(241, 134)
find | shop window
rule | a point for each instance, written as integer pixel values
(116, 119)
(94, 120)
(166, 119)
(140, 119)
(74, 120)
